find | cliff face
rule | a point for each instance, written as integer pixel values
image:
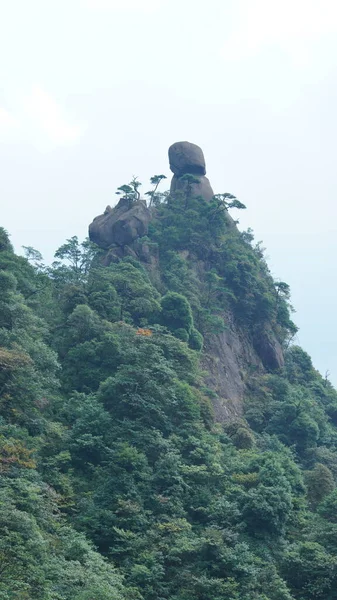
(230, 357)
(228, 360)
(236, 351)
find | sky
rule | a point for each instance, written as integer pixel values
(93, 92)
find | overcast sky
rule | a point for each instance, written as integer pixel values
(94, 91)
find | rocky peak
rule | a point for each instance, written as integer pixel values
(188, 159)
(228, 356)
(121, 225)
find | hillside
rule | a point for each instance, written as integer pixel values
(162, 438)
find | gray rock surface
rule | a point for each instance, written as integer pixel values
(120, 225)
(229, 358)
(203, 188)
(269, 350)
(138, 249)
(185, 158)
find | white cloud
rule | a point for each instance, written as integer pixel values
(292, 25)
(7, 121)
(47, 115)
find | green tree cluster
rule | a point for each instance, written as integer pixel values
(116, 481)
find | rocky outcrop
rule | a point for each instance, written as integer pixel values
(139, 249)
(202, 188)
(228, 360)
(269, 349)
(230, 357)
(118, 228)
(188, 159)
(122, 225)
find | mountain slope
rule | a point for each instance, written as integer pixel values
(161, 438)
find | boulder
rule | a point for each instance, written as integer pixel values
(185, 158)
(139, 250)
(203, 188)
(120, 225)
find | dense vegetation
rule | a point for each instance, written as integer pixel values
(116, 482)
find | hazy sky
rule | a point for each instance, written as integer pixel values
(94, 91)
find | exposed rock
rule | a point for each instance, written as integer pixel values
(230, 357)
(228, 360)
(203, 188)
(138, 249)
(269, 350)
(115, 254)
(120, 225)
(186, 158)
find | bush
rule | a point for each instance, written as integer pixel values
(181, 334)
(176, 312)
(196, 340)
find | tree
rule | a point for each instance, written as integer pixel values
(130, 191)
(5, 244)
(310, 571)
(267, 507)
(102, 295)
(188, 182)
(155, 198)
(77, 258)
(299, 365)
(34, 256)
(138, 299)
(328, 506)
(320, 483)
(228, 201)
(221, 203)
(108, 432)
(176, 312)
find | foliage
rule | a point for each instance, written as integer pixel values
(154, 195)
(116, 481)
(130, 190)
(320, 483)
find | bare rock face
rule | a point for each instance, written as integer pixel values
(227, 359)
(269, 350)
(230, 358)
(186, 158)
(203, 188)
(121, 225)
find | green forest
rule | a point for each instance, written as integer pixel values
(118, 482)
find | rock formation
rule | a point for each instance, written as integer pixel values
(121, 225)
(269, 349)
(229, 356)
(186, 158)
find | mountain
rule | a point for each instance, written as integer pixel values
(162, 437)
(241, 312)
